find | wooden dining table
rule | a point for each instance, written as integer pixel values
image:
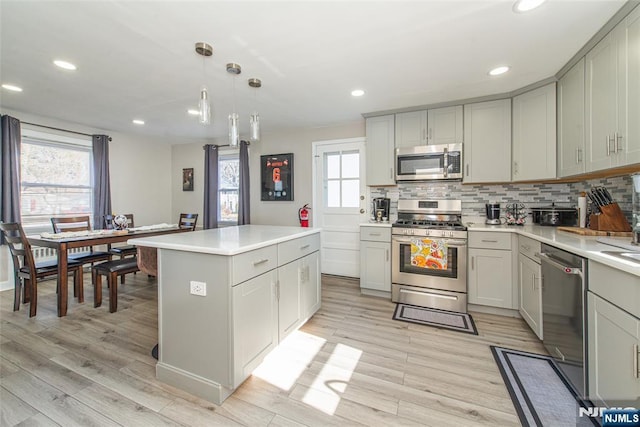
(64, 244)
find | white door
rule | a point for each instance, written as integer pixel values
(339, 203)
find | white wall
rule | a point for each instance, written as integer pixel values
(296, 141)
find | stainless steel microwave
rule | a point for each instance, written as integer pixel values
(429, 162)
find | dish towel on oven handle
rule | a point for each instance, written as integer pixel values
(429, 253)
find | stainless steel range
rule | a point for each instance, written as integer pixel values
(429, 255)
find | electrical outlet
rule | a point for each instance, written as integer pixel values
(198, 288)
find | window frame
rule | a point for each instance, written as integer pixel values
(46, 139)
(225, 156)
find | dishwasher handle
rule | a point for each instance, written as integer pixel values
(558, 263)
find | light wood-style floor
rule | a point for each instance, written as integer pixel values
(351, 364)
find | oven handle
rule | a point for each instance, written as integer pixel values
(406, 291)
(448, 242)
(556, 263)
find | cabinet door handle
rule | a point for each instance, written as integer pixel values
(391, 173)
(472, 263)
(636, 356)
(608, 142)
(430, 134)
(302, 248)
(577, 155)
(387, 254)
(489, 241)
(467, 169)
(424, 135)
(515, 168)
(617, 145)
(262, 261)
(374, 234)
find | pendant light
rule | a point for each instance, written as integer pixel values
(234, 131)
(204, 105)
(254, 119)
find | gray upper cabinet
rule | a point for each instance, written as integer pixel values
(428, 127)
(411, 129)
(380, 154)
(571, 160)
(612, 99)
(487, 144)
(534, 134)
(445, 125)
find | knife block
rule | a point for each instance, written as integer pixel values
(610, 218)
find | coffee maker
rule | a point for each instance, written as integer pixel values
(493, 213)
(380, 211)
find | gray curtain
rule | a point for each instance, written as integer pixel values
(243, 196)
(101, 184)
(210, 186)
(9, 171)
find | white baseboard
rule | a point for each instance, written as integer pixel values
(6, 285)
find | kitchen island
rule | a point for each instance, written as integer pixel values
(227, 297)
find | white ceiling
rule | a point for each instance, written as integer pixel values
(136, 59)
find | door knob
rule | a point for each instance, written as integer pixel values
(361, 210)
(361, 197)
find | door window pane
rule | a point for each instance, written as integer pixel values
(351, 193)
(351, 165)
(333, 165)
(333, 194)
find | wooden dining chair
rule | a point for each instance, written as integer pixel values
(122, 250)
(26, 269)
(79, 223)
(188, 221)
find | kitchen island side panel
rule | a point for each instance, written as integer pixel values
(194, 331)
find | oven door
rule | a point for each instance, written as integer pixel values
(412, 264)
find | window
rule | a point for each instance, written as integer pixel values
(342, 179)
(228, 185)
(55, 179)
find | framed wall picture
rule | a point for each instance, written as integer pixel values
(276, 177)
(187, 179)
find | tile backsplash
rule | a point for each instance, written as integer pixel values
(474, 197)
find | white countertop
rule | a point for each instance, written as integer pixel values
(226, 240)
(584, 246)
(375, 224)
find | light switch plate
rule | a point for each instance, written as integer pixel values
(198, 288)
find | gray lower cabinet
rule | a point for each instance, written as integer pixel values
(375, 259)
(613, 340)
(255, 322)
(530, 283)
(613, 336)
(490, 272)
(530, 293)
(297, 292)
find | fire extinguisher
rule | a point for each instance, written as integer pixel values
(303, 215)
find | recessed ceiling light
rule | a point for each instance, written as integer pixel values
(499, 70)
(526, 5)
(193, 112)
(138, 122)
(64, 64)
(12, 88)
(357, 92)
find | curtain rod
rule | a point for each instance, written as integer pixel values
(204, 147)
(63, 130)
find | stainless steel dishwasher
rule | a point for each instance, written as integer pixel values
(564, 278)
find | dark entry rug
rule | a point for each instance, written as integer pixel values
(461, 322)
(540, 392)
